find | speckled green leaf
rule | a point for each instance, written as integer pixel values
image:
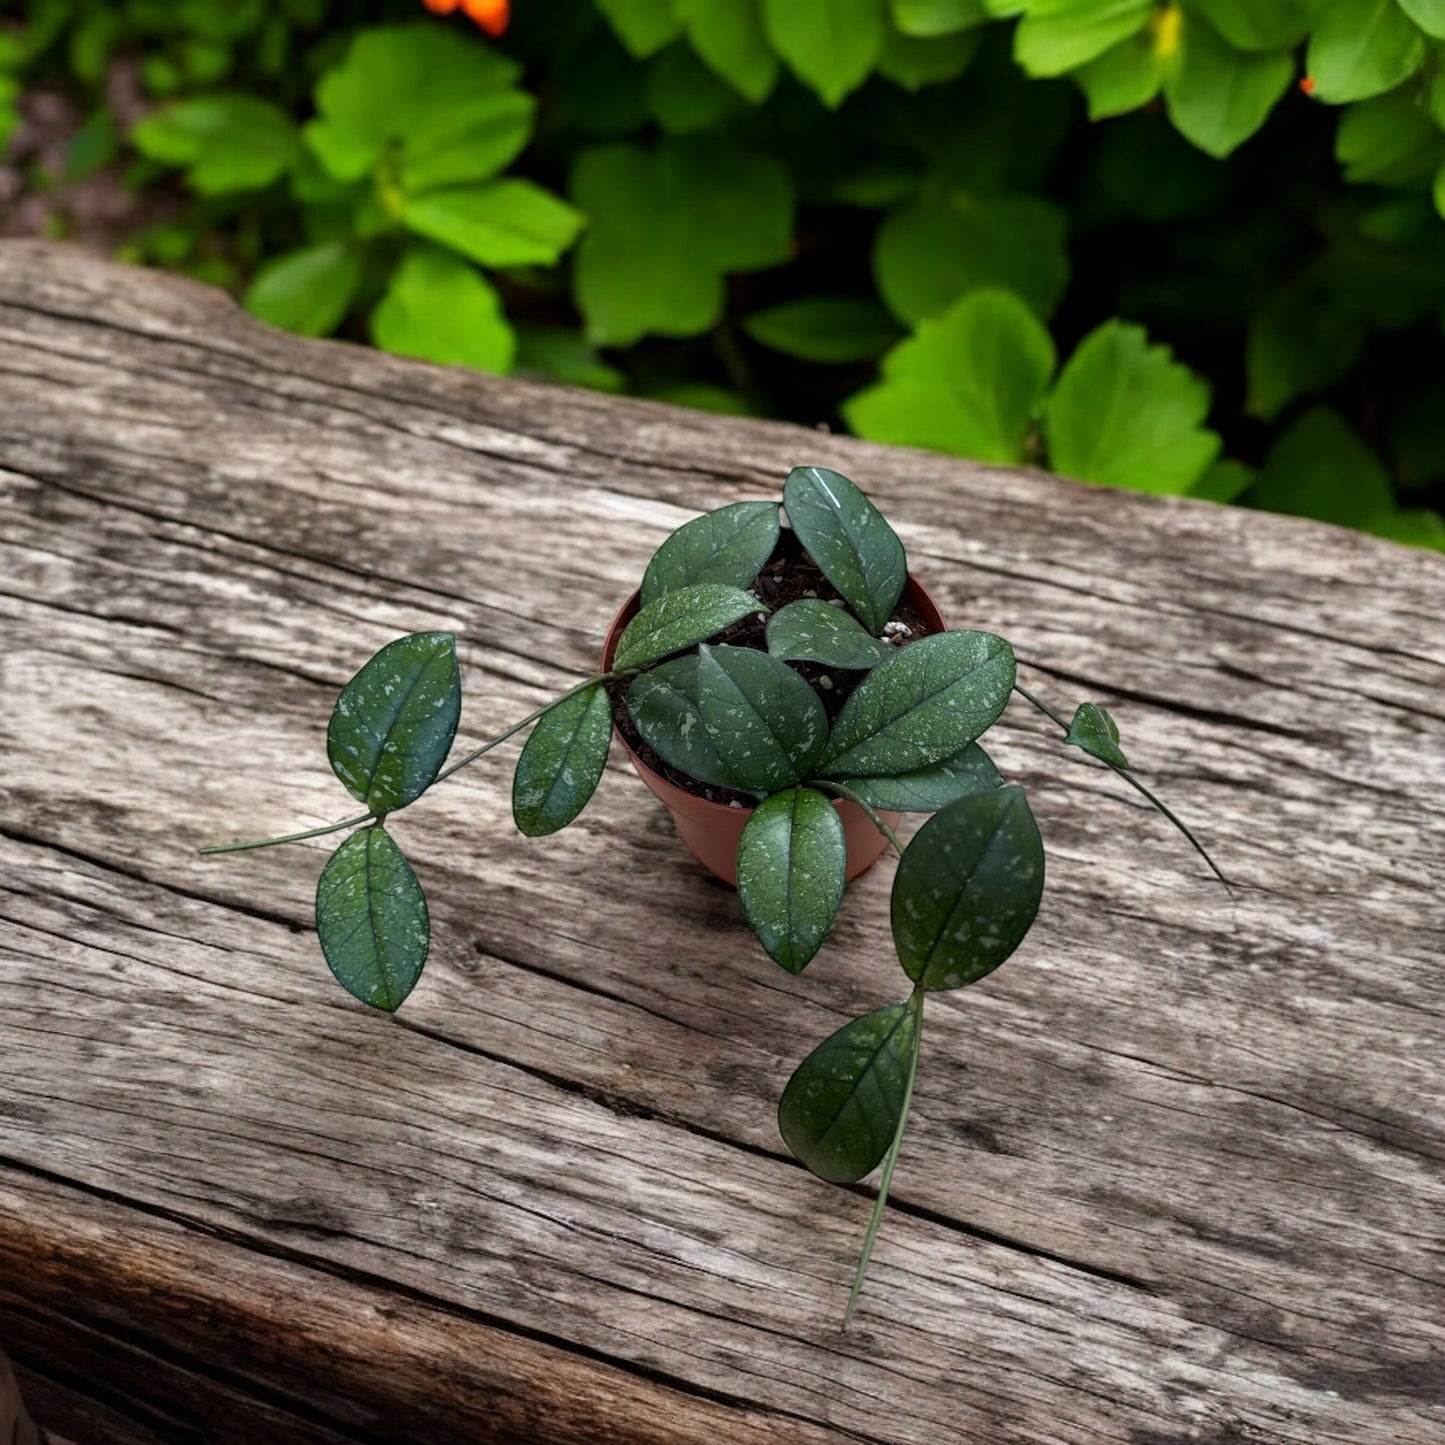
(562, 763)
(860, 554)
(766, 723)
(791, 863)
(663, 704)
(1097, 733)
(729, 545)
(395, 720)
(681, 619)
(921, 705)
(816, 631)
(371, 918)
(841, 1108)
(926, 790)
(967, 889)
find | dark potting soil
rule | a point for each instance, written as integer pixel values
(789, 575)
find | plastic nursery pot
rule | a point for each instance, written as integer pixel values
(711, 831)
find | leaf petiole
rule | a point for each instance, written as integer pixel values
(289, 838)
(875, 1220)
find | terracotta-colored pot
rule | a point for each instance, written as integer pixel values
(711, 830)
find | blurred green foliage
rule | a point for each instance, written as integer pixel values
(1190, 248)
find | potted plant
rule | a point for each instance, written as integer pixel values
(789, 693)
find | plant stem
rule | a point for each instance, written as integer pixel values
(471, 757)
(1133, 782)
(289, 838)
(915, 1003)
(852, 797)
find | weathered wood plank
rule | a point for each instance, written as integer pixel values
(1175, 1172)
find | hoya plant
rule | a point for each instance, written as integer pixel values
(782, 671)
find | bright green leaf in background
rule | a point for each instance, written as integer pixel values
(1126, 414)
(827, 329)
(502, 223)
(791, 863)
(830, 45)
(643, 26)
(921, 705)
(850, 540)
(969, 382)
(1320, 468)
(664, 226)
(371, 919)
(967, 889)
(1429, 15)
(1219, 96)
(728, 36)
(562, 763)
(727, 545)
(1389, 141)
(928, 18)
(1225, 481)
(930, 252)
(913, 63)
(1125, 77)
(1361, 48)
(395, 720)
(680, 619)
(439, 308)
(841, 1109)
(1297, 344)
(1055, 36)
(1259, 24)
(308, 291)
(1095, 731)
(227, 143)
(811, 630)
(766, 723)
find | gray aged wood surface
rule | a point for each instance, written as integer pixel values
(1174, 1173)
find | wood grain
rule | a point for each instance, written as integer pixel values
(1175, 1172)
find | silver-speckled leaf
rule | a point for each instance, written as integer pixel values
(394, 722)
(663, 704)
(841, 1108)
(967, 889)
(816, 631)
(729, 545)
(847, 536)
(371, 918)
(562, 762)
(681, 619)
(1094, 730)
(921, 705)
(926, 790)
(792, 860)
(766, 723)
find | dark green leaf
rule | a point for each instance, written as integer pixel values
(766, 723)
(728, 35)
(967, 889)
(1127, 414)
(562, 762)
(307, 291)
(1297, 343)
(643, 26)
(1429, 15)
(663, 704)
(728, 545)
(680, 619)
(395, 720)
(440, 308)
(914, 63)
(816, 631)
(502, 223)
(791, 863)
(858, 551)
(825, 329)
(921, 706)
(969, 382)
(841, 1109)
(371, 919)
(1094, 730)
(1390, 141)
(1225, 481)
(685, 97)
(933, 250)
(1320, 468)
(926, 790)
(1361, 48)
(1278, 25)
(830, 45)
